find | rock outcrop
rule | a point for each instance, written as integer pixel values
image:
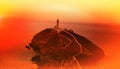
(63, 48)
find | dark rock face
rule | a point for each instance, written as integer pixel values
(63, 49)
(96, 52)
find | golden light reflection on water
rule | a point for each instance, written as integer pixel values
(107, 38)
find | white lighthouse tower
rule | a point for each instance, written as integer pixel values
(57, 26)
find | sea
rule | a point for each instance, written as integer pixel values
(106, 36)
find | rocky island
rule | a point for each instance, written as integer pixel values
(57, 48)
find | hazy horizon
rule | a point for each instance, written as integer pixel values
(14, 54)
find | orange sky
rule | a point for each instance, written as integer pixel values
(99, 11)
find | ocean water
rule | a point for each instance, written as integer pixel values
(107, 37)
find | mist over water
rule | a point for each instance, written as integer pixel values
(106, 37)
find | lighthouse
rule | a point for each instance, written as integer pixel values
(57, 24)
